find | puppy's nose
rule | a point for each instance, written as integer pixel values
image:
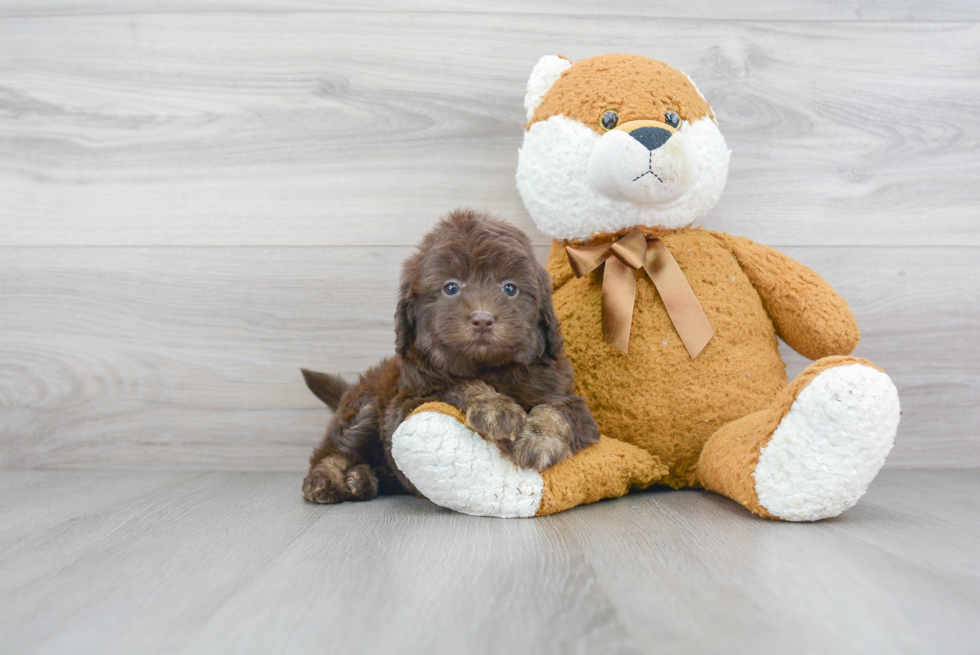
(651, 137)
(481, 321)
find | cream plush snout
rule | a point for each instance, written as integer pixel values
(644, 162)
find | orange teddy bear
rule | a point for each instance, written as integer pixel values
(672, 329)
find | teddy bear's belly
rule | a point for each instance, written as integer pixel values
(656, 397)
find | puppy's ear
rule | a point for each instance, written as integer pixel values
(404, 323)
(406, 318)
(548, 324)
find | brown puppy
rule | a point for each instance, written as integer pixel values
(474, 328)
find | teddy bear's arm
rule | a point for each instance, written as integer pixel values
(558, 266)
(809, 315)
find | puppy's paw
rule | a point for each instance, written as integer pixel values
(544, 441)
(361, 483)
(326, 483)
(497, 417)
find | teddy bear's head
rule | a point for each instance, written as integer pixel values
(617, 141)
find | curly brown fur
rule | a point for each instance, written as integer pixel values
(493, 351)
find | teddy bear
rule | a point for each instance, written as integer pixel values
(671, 328)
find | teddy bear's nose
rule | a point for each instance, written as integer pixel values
(651, 137)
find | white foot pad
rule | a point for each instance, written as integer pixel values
(829, 447)
(456, 468)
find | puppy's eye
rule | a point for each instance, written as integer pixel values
(510, 289)
(672, 119)
(451, 289)
(609, 120)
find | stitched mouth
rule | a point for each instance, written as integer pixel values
(649, 170)
(648, 173)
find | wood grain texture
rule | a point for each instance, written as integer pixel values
(267, 128)
(237, 563)
(189, 357)
(809, 591)
(160, 165)
(904, 10)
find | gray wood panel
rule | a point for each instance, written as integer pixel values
(237, 563)
(188, 357)
(336, 128)
(905, 10)
(211, 124)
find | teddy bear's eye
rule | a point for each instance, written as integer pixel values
(672, 119)
(609, 119)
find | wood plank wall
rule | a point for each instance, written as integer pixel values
(197, 198)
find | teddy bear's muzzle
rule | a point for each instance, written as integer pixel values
(642, 162)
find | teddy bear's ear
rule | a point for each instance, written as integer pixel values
(548, 69)
(711, 113)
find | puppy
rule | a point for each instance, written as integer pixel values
(474, 328)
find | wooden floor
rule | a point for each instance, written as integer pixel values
(148, 562)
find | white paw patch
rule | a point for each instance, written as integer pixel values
(456, 468)
(830, 445)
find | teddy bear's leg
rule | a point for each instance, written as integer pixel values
(815, 450)
(456, 468)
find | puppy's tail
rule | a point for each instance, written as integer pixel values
(326, 387)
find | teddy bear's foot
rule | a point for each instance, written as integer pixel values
(813, 453)
(456, 468)
(830, 444)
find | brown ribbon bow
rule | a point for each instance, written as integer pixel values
(619, 288)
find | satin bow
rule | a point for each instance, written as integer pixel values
(621, 258)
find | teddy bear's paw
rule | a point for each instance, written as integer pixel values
(458, 469)
(830, 445)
